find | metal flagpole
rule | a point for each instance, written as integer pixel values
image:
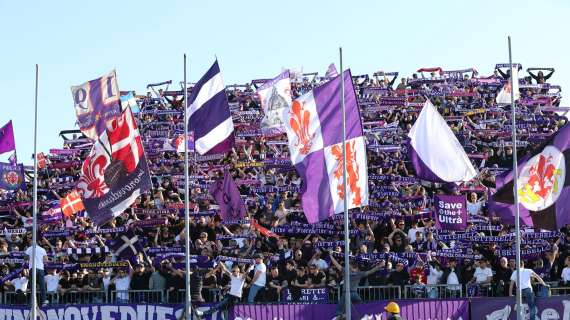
(34, 214)
(345, 200)
(515, 188)
(188, 300)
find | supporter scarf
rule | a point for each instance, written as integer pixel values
(12, 261)
(106, 230)
(232, 222)
(155, 212)
(266, 189)
(234, 259)
(57, 233)
(8, 232)
(455, 237)
(103, 265)
(149, 223)
(215, 156)
(524, 252)
(231, 237)
(447, 254)
(390, 178)
(64, 151)
(11, 275)
(328, 244)
(164, 250)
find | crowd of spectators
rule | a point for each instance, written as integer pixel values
(394, 238)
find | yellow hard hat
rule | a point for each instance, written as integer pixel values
(392, 307)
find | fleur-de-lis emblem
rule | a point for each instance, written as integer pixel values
(299, 122)
(352, 175)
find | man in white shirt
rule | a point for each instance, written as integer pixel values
(237, 280)
(122, 284)
(20, 286)
(483, 274)
(566, 271)
(526, 287)
(52, 283)
(41, 258)
(259, 278)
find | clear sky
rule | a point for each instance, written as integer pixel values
(76, 41)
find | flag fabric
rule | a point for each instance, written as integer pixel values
(450, 212)
(12, 176)
(42, 161)
(275, 98)
(178, 142)
(13, 158)
(435, 152)
(314, 132)
(543, 186)
(128, 100)
(504, 96)
(226, 194)
(115, 172)
(209, 114)
(71, 204)
(262, 230)
(97, 103)
(331, 71)
(7, 142)
(126, 245)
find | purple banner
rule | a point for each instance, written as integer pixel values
(451, 213)
(308, 295)
(504, 308)
(410, 309)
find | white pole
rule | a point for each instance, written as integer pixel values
(345, 200)
(515, 188)
(34, 214)
(188, 300)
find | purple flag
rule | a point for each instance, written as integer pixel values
(7, 138)
(226, 194)
(314, 131)
(12, 177)
(126, 245)
(543, 186)
(451, 213)
(97, 103)
(331, 71)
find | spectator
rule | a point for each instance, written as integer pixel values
(526, 287)
(259, 278)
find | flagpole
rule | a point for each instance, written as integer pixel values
(515, 188)
(34, 304)
(188, 300)
(345, 200)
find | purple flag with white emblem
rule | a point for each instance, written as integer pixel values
(451, 213)
(543, 186)
(226, 194)
(209, 114)
(314, 131)
(97, 103)
(7, 138)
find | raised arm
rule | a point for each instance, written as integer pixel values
(335, 263)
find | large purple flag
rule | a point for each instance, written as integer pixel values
(314, 131)
(226, 194)
(451, 213)
(543, 186)
(7, 138)
(97, 103)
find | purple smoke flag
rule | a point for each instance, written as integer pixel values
(543, 186)
(7, 138)
(97, 103)
(435, 152)
(226, 194)
(314, 131)
(12, 177)
(209, 114)
(331, 71)
(451, 212)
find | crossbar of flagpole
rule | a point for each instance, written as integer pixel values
(188, 300)
(345, 200)
(515, 188)
(34, 304)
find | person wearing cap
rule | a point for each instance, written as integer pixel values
(393, 311)
(259, 278)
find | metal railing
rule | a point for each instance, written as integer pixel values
(372, 293)
(433, 291)
(88, 297)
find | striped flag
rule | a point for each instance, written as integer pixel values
(209, 114)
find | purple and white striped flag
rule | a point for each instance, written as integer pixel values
(209, 114)
(314, 131)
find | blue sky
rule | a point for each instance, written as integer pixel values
(77, 41)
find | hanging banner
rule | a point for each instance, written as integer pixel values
(450, 212)
(12, 176)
